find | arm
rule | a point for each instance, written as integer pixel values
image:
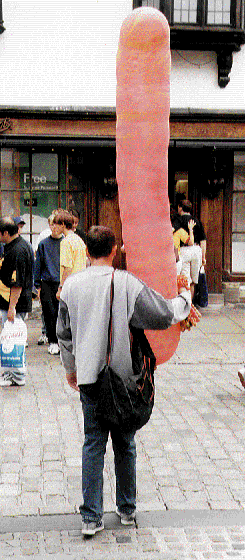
(153, 312)
(15, 292)
(63, 331)
(203, 245)
(66, 272)
(37, 269)
(191, 225)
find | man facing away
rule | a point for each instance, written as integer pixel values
(16, 278)
(72, 247)
(82, 331)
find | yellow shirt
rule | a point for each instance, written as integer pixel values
(180, 235)
(72, 253)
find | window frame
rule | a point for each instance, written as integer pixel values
(222, 39)
(167, 8)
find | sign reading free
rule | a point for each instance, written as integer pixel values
(41, 181)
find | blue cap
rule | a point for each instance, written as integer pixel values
(19, 220)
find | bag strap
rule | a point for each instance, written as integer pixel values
(108, 353)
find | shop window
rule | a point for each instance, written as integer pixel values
(238, 214)
(33, 183)
(207, 25)
(2, 28)
(30, 187)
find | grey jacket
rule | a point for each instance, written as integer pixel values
(82, 326)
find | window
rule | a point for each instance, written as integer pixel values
(211, 25)
(199, 12)
(238, 214)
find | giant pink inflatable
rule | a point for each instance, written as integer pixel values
(142, 138)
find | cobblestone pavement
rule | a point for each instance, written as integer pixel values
(190, 455)
(133, 544)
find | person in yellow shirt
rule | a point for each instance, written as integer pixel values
(72, 248)
(181, 236)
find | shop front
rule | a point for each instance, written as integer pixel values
(51, 158)
(207, 166)
(48, 163)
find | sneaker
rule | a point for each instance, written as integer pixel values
(92, 527)
(8, 380)
(53, 349)
(42, 340)
(241, 375)
(126, 518)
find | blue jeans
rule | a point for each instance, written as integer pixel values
(94, 449)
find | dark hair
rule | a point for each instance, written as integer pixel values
(63, 217)
(7, 224)
(74, 213)
(100, 241)
(185, 205)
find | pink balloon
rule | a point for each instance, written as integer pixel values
(142, 138)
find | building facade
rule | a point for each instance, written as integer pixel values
(58, 118)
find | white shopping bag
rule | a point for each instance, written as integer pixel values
(12, 346)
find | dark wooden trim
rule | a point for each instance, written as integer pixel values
(109, 114)
(200, 115)
(206, 38)
(57, 141)
(58, 113)
(233, 276)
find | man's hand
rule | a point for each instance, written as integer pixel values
(182, 284)
(15, 292)
(191, 225)
(11, 314)
(72, 380)
(58, 292)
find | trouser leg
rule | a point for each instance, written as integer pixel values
(124, 448)
(50, 307)
(93, 453)
(44, 331)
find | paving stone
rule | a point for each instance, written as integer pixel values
(194, 442)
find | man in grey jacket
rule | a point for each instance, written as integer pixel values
(82, 331)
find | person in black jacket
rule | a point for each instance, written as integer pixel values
(16, 280)
(47, 279)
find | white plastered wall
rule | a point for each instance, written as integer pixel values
(63, 53)
(60, 52)
(194, 81)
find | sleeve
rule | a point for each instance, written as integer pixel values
(180, 235)
(153, 312)
(176, 238)
(66, 254)
(19, 271)
(37, 268)
(63, 331)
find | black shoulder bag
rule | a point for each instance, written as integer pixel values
(127, 404)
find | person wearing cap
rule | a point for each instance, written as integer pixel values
(18, 220)
(16, 280)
